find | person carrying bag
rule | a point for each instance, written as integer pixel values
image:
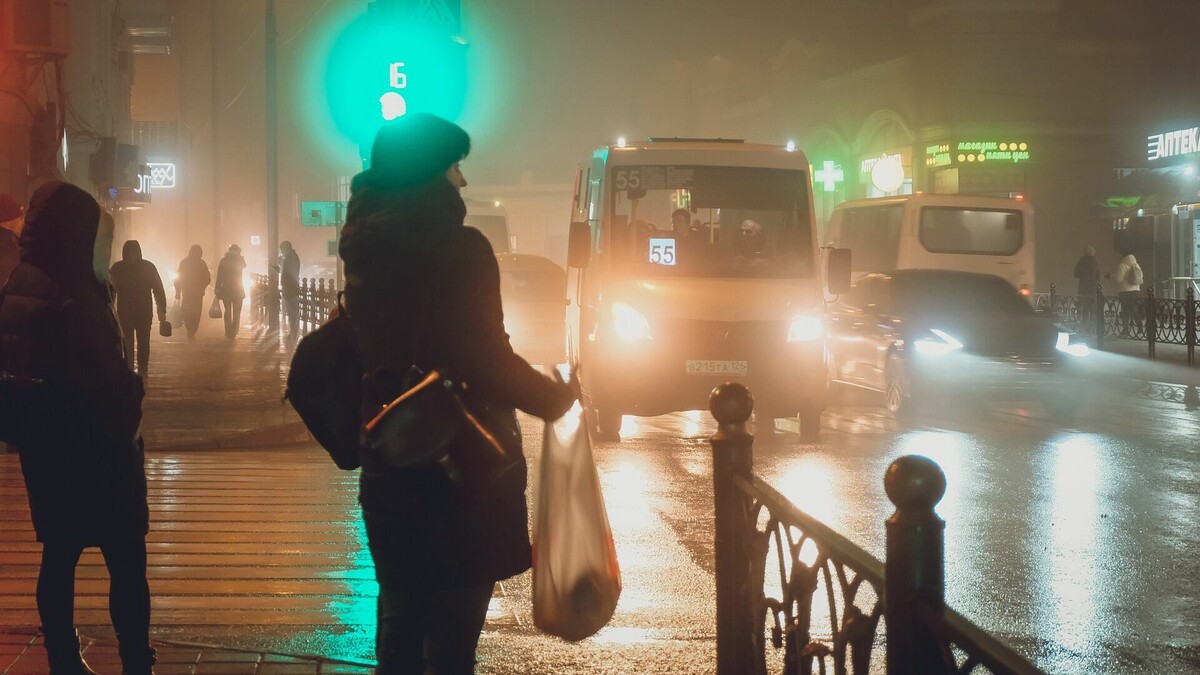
(439, 543)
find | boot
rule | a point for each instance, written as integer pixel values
(138, 661)
(62, 651)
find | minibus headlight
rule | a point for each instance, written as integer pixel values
(1064, 344)
(629, 324)
(936, 343)
(805, 329)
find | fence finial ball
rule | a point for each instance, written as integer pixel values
(731, 403)
(914, 482)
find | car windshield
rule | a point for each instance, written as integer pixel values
(957, 295)
(711, 222)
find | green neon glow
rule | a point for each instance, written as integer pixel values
(828, 176)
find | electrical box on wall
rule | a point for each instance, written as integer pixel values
(35, 27)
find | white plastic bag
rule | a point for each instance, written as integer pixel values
(576, 580)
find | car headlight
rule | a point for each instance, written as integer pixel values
(1064, 344)
(805, 329)
(629, 324)
(938, 342)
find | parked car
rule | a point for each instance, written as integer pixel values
(918, 334)
(534, 293)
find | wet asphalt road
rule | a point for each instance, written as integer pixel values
(1075, 541)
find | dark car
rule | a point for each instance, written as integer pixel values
(918, 334)
(534, 292)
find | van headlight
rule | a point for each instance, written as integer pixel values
(629, 324)
(936, 343)
(805, 328)
(1064, 344)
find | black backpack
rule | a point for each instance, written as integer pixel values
(324, 385)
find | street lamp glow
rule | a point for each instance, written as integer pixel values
(791, 146)
(620, 141)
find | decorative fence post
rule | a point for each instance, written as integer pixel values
(1189, 313)
(1099, 316)
(273, 298)
(1053, 308)
(914, 568)
(1151, 321)
(733, 455)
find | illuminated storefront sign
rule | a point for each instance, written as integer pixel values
(828, 176)
(1173, 143)
(976, 152)
(162, 175)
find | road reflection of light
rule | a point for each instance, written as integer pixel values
(357, 605)
(630, 425)
(691, 425)
(808, 482)
(624, 635)
(626, 493)
(1069, 618)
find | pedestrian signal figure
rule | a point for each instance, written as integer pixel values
(72, 406)
(423, 290)
(138, 289)
(191, 280)
(230, 289)
(289, 286)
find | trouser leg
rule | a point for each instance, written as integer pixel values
(127, 333)
(227, 305)
(143, 348)
(56, 588)
(235, 311)
(456, 617)
(129, 601)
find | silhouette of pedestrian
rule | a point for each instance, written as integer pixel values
(424, 290)
(191, 278)
(85, 473)
(1087, 272)
(289, 286)
(138, 288)
(11, 221)
(229, 288)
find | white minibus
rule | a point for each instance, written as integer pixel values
(691, 263)
(967, 233)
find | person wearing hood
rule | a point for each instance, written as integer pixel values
(423, 290)
(85, 473)
(138, 289)
(11, 221)
(191, 278)
(289, 286)
(1128, 277)
(229, 288)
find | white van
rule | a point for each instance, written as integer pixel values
(692, 263)
(491, 219)
(950, 232)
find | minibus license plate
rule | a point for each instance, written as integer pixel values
(717, 367)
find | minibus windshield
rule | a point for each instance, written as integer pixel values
(710, 221)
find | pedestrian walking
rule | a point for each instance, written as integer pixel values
(1087, 273)
(11, 220)
(1128, 278)
(289, 286)
(81, 458)
(424, 290)
(191, 279)
(138, 289)
(230, 289)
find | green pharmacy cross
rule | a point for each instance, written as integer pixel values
(829, 175)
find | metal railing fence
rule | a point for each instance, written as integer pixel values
(313, 303)
(1144, 317)
(827, 596)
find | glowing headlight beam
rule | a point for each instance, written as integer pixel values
(943, 345)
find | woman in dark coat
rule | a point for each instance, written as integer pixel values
(230, 289)
(424, 289)
(191, 279)
(83, 464)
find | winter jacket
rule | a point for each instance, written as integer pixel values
(137, 285)
(422, 288)
(85, 475)
(1124, 274)
(289, 273)
(10, 254)
(192, 276)
(229, 284)
(1087, 271)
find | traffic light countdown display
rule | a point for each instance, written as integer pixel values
(379, 70)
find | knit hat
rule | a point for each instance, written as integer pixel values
(10, 209)
(414, 149)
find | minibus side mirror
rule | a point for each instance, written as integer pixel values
(837, 271)
(579, 245)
